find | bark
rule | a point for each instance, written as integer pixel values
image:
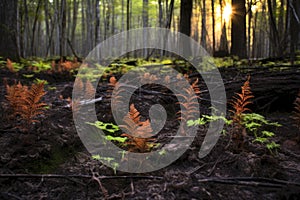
(145, 24)
(83, 29)
(33, 52)
(203, 25)
(170, 14)
(238, 29)
(274, 35)
(8, 27)
(294, 28)
(213, 26)
(46, 11)
(160, 14)
(97, 26)
(186, 8)
(74, 21)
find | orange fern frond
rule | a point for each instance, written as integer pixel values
(167, 80)
(196, 87)
(10, 66)
(32, 107)
(241, 101)
(113, 81)
(134, 114)
(139, 132)
(189, 105)
(78, 85)
(296, 112)
(15, 93)
(89, 90)
(26, 102)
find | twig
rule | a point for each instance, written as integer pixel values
(95, 177)
(7, 194)
(82, 176)
(251, 181)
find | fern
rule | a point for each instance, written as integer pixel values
(15, 93)
(296, 112)
(89, 90)
(26, 103)
(241, 101)
(32, 107)
(139, 132)
(189, 105)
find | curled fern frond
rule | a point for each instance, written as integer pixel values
(241, 101)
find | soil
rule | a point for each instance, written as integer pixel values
(52, 148)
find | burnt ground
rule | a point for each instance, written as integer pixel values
(53, 148)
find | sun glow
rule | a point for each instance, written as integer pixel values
(227, 12)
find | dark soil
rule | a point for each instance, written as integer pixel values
(53, 147)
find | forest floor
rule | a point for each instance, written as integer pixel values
(54, 148)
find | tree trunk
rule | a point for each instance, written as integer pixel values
(213, 26)
(33, 52)
(160, 14)
(97, 27)
(203, 25)
(294, 29)
(273, 31)
(46, 11)
(249, 28)
(74, 21)
(145, 24)
(186, 8)
(238, 29)
(83, 29)
(8, 23)
(170, 14)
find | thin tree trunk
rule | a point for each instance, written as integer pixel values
(62, 48)
(213, 26)
(160, 14)
(83, 29)
(249, 28)
(46, 11)
(34, 27)
(273, 31)
(203, 25)
(170, 14)
(74, 21)
(97, 26)
(113, 17)
(26, 34)
(145, 24)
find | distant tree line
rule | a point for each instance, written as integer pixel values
(254, 29)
